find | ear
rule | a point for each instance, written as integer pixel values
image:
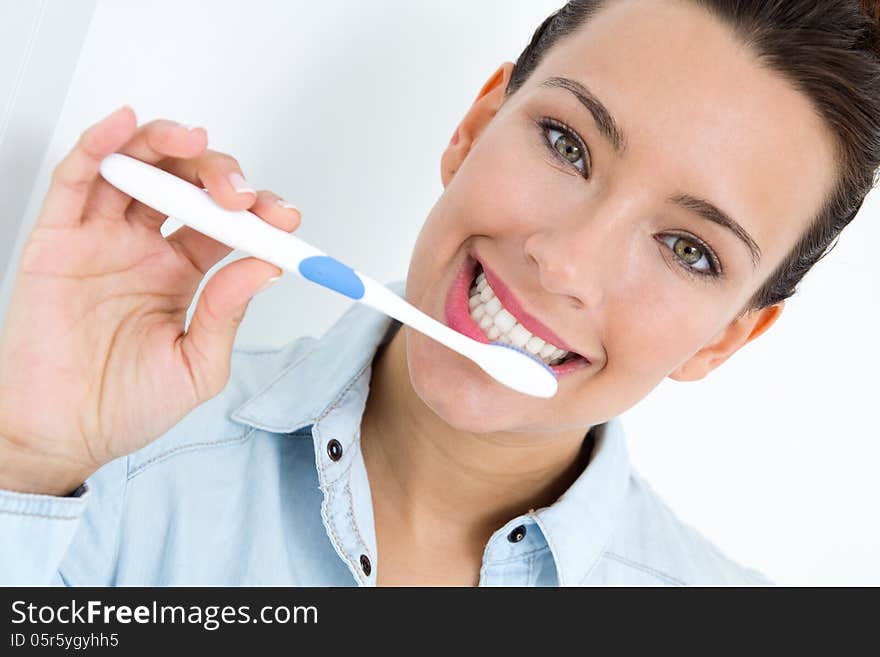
(733, 337)
(486, 105)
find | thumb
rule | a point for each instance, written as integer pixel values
(207, 344)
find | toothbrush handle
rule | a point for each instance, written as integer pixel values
(247, 232)
(194, 207)
(381, 298)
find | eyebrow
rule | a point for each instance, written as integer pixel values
(607, 125)
(708, 211)
(609, 128)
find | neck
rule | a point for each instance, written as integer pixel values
(426, 474)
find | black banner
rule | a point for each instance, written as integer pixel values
(84, 620)
(125, 620)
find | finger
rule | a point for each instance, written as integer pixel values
(153, 142)
(204, 252)
(211, 171)
(75, 177)
(207, 344)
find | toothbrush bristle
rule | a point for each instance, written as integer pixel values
(526, 353)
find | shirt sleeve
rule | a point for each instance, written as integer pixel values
(37, 531)
(72, 540)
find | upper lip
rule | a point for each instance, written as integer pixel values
(529, 321)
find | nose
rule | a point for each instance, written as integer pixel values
(571, 263)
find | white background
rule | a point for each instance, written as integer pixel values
(345, 109)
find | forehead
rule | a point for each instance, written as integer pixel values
(700, 114)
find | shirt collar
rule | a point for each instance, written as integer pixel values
(577, 526)
(580, 523)
(310, 384)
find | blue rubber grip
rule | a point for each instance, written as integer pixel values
(331, 273)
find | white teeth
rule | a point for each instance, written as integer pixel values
(504, 321)
(500, 325)
(519, 336)
(534, 344)
(493, 306)
(547, 350)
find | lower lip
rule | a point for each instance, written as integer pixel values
(458, 315)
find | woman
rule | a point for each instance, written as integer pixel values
(634, 199)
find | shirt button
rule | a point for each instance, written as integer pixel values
(365, 565)
(334, 449)
(517, 534)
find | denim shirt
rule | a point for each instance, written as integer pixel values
(244, 491)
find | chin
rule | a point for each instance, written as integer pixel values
(458, 391)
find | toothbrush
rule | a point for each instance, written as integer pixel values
(243, 230)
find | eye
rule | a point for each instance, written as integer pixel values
(695, 255)
(566, 143)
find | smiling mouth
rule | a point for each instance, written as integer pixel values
(499, 324)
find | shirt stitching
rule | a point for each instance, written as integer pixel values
(316, 423)
(259, 351)
(519, 557)
(336, 541)
(118, 547)
(186, 448)
(316, 427)
(326, 506)
(559, 574)
(605, 545)
(484, 568)
(284, 371)
(646, 569)
(353, 521)
(279, 376)
(344, 392)
(37, 515)
(595, 562)
(68, 502)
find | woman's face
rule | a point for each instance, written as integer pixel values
(585, 238)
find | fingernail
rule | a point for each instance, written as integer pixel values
(267, 284)
(186, 126)
(285, 204)
(115, 112)
(240, 184)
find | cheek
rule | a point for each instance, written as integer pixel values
(657, 326)
(496, 193)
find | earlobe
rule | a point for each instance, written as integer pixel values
(731, 339)
(485, 106)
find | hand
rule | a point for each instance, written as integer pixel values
(94, 360)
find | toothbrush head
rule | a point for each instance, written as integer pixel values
(519, 369)
(540, 362)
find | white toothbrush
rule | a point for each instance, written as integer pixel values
(247, 232)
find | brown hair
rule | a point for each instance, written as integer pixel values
(827, 49)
